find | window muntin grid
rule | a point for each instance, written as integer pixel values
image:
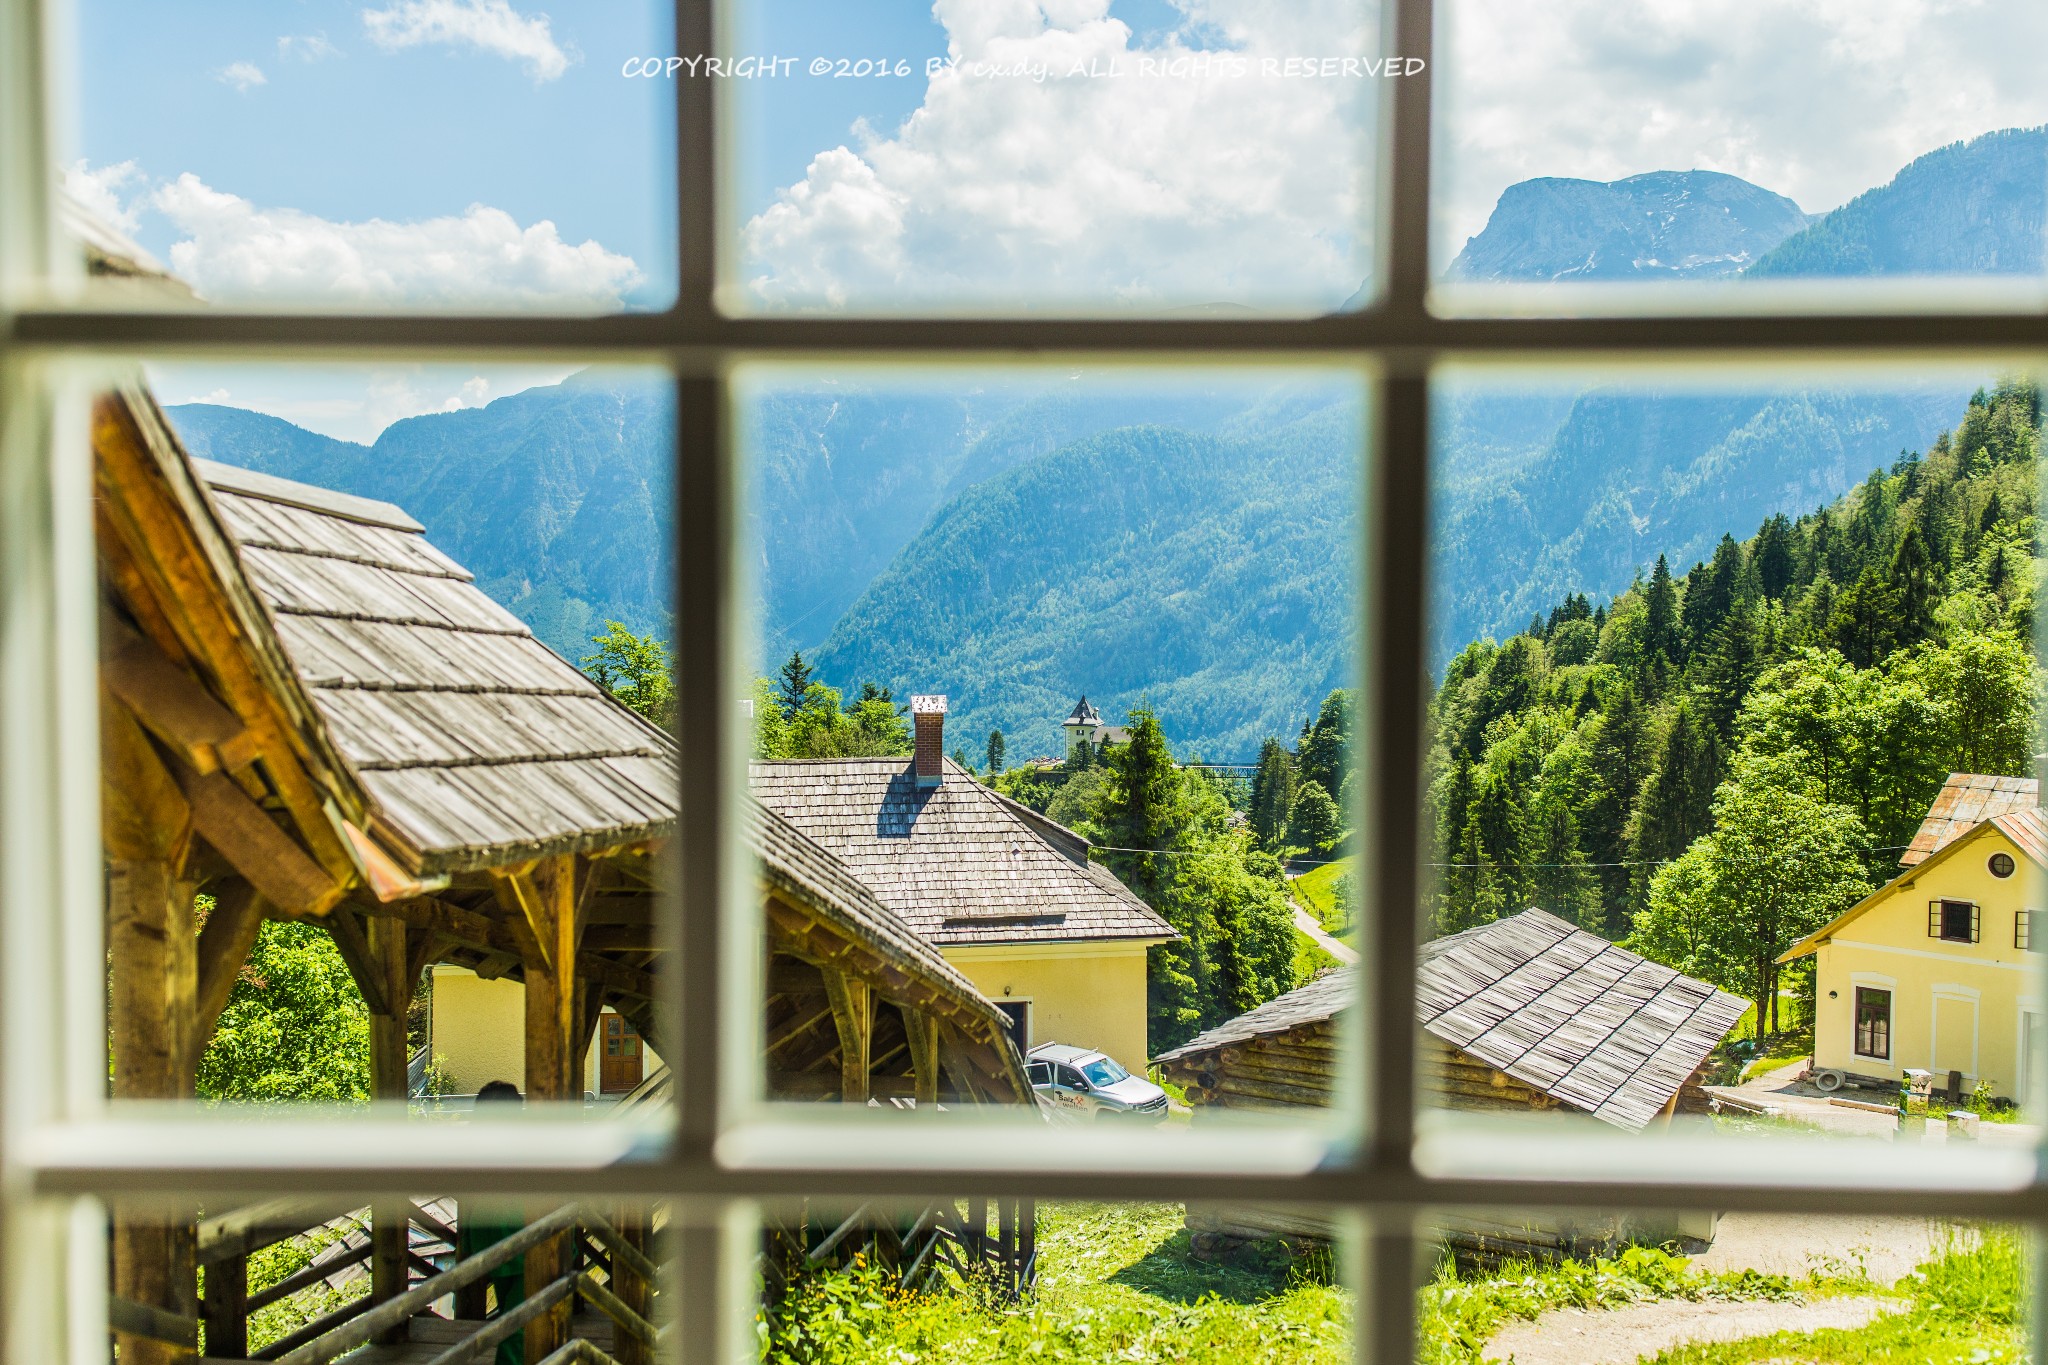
(54, 1140)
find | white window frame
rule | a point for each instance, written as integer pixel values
(59, 1144)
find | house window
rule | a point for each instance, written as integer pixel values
(1954, 921)
(2001, 865)
(1873, 1023)
(2023, 931)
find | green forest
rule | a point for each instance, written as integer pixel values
(1715, 764)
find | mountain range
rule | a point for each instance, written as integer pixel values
(1182, 541)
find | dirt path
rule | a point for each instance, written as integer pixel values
(1797, 1245)
(1310, 925)
(1622, 1336)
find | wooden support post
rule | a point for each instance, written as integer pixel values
(632, 1287)
(853, 1015)
(223, 950)
(152, 990)
(923, 1031)
(390, 1220)
(225, 1308)
(1027, 1242)
(547, 897)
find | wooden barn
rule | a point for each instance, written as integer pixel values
(309, 713)
(1526, 1014)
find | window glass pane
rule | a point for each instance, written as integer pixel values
(1584, 145)
(1723, 1288)
(1122, 156)
(401, 155)
(1067, 1281)
(1050, 716)
(384, 736)
(1735, 690)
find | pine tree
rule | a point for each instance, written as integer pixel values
(1272, 801)
(1676, 805)
(1561, 881)
(796, 682)
(1660, 627)
(1140, 807)
(1773, 556)
(1913, 590)
(995, 751)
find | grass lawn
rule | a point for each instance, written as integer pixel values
(1116, 1283)
(1317, 890)
(1966, 1307)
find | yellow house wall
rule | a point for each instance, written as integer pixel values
(1979, 993)
(479, 1032)
(1087, 995)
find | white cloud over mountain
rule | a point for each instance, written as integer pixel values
(1816, 99)
(489, 25)
(1150, 190)
(1156, 191)
(229, 248)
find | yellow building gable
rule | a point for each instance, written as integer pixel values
(1939, 969)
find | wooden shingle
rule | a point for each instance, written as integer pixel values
(1548, 1004)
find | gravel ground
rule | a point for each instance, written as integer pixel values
(1621, 1336)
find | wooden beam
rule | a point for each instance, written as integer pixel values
(924, 1055)
(223, 948)
(243, 833)
(149, 520)
(853, 1016)
(144, 817)
(619, 938)
(360, 959)
(169, 701)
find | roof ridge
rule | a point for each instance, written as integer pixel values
(254, 483)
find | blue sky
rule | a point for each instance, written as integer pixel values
(430, 153)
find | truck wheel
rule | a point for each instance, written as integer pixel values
(1828, 1080)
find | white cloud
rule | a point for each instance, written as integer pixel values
(1815, 99)
(98, 192)
(230, 248)
(1167, 191)
(1154, 190)
(244, 76)
(307, 47)
(218, 397)
(491, 25)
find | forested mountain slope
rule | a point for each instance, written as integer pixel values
(1805, 690)
(1210, 577)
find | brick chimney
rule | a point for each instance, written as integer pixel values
(928, 715)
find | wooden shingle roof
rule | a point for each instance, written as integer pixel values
(799, 868)
(1559, 1009)
(961, 864)
(476, 742)
(1965, 801)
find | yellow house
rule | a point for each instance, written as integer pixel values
(1008, 897)
(476, 1033)
(1937, 970)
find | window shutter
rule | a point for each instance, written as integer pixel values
(1934, 919)
(2019, 929)
(1976, 923)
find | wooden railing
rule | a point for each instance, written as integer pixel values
(946, 1244)
(605, 1271)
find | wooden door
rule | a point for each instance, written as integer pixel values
(618, 1066)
